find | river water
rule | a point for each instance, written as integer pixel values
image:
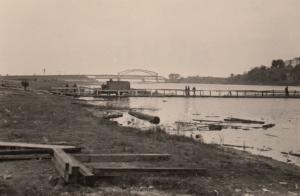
(284, 113)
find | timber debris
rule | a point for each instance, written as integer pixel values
(149, 118)
(227, 123)
(84, 168)
(113, 115)
(240, 120)
(291, 153)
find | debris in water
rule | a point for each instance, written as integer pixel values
(236, 146)
(197, 114)
(240, 120)
(270, 135)
(201, 120)
(264, 148)
(212, 116)
(113, 115)
(267, 126)
(214, 127)
(291, 153)
(151, 119)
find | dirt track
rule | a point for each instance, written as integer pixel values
(44, 118)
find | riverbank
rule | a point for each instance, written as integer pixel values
(39, 117)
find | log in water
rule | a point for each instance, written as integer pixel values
(151, 119)
(239, 120)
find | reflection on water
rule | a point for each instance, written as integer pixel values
(284, 113)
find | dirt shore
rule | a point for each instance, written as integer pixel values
(39, 117)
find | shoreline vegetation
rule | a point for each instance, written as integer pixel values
(36, 116)
(279, 73)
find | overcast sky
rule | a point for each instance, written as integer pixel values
(190, 37)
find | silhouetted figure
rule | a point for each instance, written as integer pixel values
(66, 90)
(25, 84)
(287, 91)
(75, 87)
(194, 91)
(188, 90)
(185, 91)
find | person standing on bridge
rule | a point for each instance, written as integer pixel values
(194, 91)
(287, 91)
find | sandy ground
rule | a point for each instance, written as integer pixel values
(39, 117)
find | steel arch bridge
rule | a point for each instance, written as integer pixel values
(133, 74)
(149, 73)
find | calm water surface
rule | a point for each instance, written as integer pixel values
(284, 113)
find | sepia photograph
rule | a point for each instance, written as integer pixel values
(149, 98)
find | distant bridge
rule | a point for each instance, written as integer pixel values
(133, 74)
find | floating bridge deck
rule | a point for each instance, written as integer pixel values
(96, 92)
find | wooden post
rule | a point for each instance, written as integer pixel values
(210, 93)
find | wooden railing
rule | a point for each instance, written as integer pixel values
(97, 92)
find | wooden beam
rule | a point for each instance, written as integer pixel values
(121, 157)
(24, 157)
(25, 151)
(118, 171)
(64, 165)
(87, 176)
(71, 169)
(30, 145)
(14, 151)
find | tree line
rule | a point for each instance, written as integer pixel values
(278, 73)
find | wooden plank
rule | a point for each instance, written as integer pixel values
(117, 171)
(60, 169)
(30, 145)
(121, 157)
(24, 157)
